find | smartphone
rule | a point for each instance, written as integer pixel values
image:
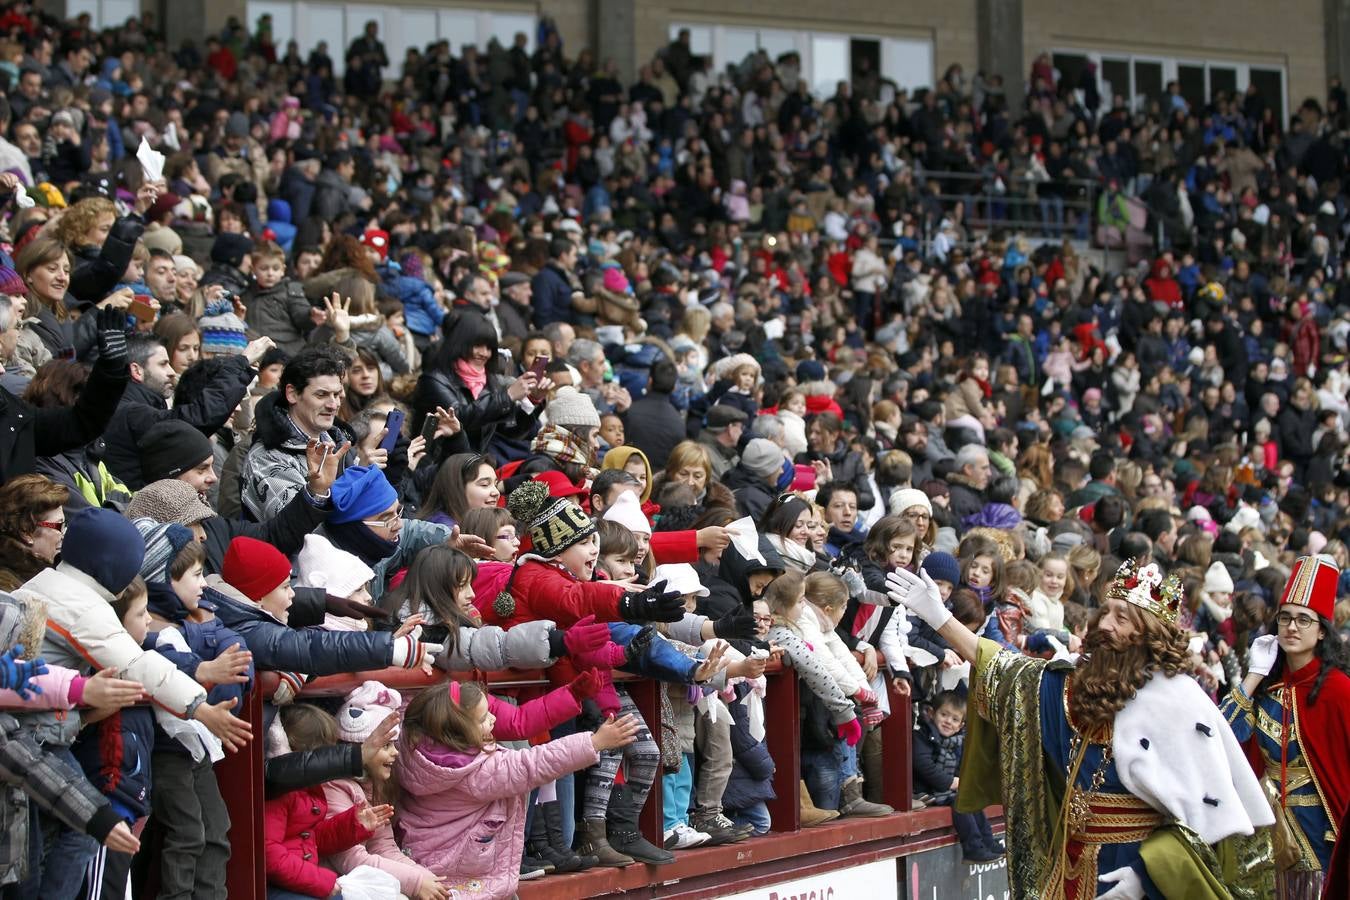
(395, 425)
(429, 427)
(141, 309)
(539, 365)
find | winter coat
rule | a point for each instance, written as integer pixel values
(371, 333)
(814, 673)
(752, 767)
(297, 832)
(936, 760)
(332, 196)
(281, 312)
(753, 494)
(421, 312)
(83, 631)
(85, 474)
(227, 276)
(848, 467)
(654, 425)
(482, 417)
(380, 850)
(141, 408)
(124, 778)
(277, 467)
(838, 661)
(551, 295)
(97, 270)
(27, 432)
(463, 814)
(312, 651)
(543, 590)
(286, 530)
(964, 501)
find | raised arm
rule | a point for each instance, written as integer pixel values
(920, 596)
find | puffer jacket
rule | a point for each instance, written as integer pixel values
(276, 467)
(483, 417)
(97, 270)
(544, 590)
(752, 767)
(463, 814)
(83, 631)
(380, 850)
(280, 312)
(297, 832)
(312, 651)
(936, 760)
(421, 312)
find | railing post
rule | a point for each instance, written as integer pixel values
(241, 777)
(897, 731)
(783, 734)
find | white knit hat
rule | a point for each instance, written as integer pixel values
(680, 577)
(1217, 579)
(904, 498)
(364, 709)
(321, 565)
(627, 511)
(571, 407)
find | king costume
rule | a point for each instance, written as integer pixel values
(1166, 793)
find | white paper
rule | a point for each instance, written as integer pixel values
(21, 198)
(745, 538)
(171, 137)
(152, 161)
(955, 675)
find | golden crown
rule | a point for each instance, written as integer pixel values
(1145, 587)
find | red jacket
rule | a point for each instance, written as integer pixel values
(670, 547)
(546, 591)
(298, 833)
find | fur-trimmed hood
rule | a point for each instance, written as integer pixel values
(23, 620)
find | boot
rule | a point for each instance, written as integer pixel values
(624, 835)
(719, 828)
(872, 762)
(810, 814)
(538, 846)
(594, 843)
(851, 802)
(553, 822)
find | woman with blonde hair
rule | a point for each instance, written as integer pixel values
(690, 463)
(1036, 463)
(1086, 564)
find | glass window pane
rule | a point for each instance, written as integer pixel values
(1222, 78)
(776, 43)
(737, 44)
(283, 22)
(459, 27)
(505, 26)
(1070, 67)
(829, 63)
(116, 12)
(1115, 80)
(1270, 85)
(1191, 78)
(908, 62)
(1148, 80)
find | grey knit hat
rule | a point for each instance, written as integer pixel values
(162, 546)
(570, 407)
(763, 457)
(169, 500)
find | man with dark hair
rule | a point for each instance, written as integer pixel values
(75, 59)
(332, 192)
(1160, 528)
(652, 423)
(839, 499)
(302, 411)
(552, 285)
(1102, 469)
(606, 486)
(145, 401)
(824, 436)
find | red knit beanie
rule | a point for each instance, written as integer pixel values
(254, 568)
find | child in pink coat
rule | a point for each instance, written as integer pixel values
(462, 807)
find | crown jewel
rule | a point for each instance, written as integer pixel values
(1145, 587)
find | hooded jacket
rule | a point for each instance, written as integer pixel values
(481, 417)
(752, 767)
(282, 312)
(276, 466)
(297, 831)
(421, 312)
(463, 814)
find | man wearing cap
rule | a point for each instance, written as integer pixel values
(513, 313)
(1155, 776)
(721, 434)
(757, 478)
(240, 154)
(1290, 714)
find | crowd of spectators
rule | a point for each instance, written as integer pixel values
(483, 358)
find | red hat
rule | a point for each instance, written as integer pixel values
(559, 485)
(1313, 584)
(378, 241)
(254, 568)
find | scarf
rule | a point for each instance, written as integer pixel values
(1220, 614)
(986, 595)
(474, 378)
(164, 603)
(361, 542)
(563, 447)
(985, 388)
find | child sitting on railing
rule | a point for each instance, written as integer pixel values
(462, 807)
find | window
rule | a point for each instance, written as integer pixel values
(1143, 80)
(1270, 86)
(1148, 81)
(1115, 79)
(1069, 67)
(1222, 78)
(105, 13)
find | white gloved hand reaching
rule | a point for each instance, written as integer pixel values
(919, 594)
(1261, 657)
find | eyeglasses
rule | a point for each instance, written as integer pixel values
(763, 620)
(385, 521)
(1301, 622)
(54, 526)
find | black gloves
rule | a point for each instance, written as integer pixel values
(655, 604)
(111, 325)
(737, 625)
(639, 645)
(352, 609)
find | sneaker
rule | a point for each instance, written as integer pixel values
(980, 855)
(719, 828)
(530, 871)
(996, 846)
(682, 837)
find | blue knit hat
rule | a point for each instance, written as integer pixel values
(942, 567)
(361, 492)
(105, 546)
(162, 545)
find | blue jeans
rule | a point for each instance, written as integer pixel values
(57, 856)
(756, 816)
(675, 791)
(825, 771)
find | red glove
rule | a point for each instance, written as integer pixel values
(608, 700)
(865, 696)
(873, 716)
(584, 636)
(850, 732)
(587, 684)
(609, 656)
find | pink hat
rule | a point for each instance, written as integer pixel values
(616, 281)
(364, 709)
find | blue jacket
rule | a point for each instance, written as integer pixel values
(752, 767)
(421, 312)
(552, 296)
(124, 780)
(310, 651)
(661, 661)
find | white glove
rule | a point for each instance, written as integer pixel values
(289, 685)
(919, 595)
(410, 653)
(1128, 885)
(1261, 657)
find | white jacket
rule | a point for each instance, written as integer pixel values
(1042, 612)
(830, 650)
(83, 632)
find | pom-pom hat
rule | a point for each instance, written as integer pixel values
(555, 523)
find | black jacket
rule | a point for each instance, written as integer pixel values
(654, 426)
(285, 531)
(847, 466)
(932, 757)
(482, 418)
(752, 767)
(753, 495)
(97, 270)
(965, 500)
(141, 408)
(27, 432)
(303, 769)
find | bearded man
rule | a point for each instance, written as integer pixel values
(1118, 775)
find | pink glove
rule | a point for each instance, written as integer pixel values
(608, 700)
(609, 656)
(866, 696)
(850, 732)
(584, 636)
(873, 716)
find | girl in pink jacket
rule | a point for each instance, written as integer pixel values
(462, 808)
